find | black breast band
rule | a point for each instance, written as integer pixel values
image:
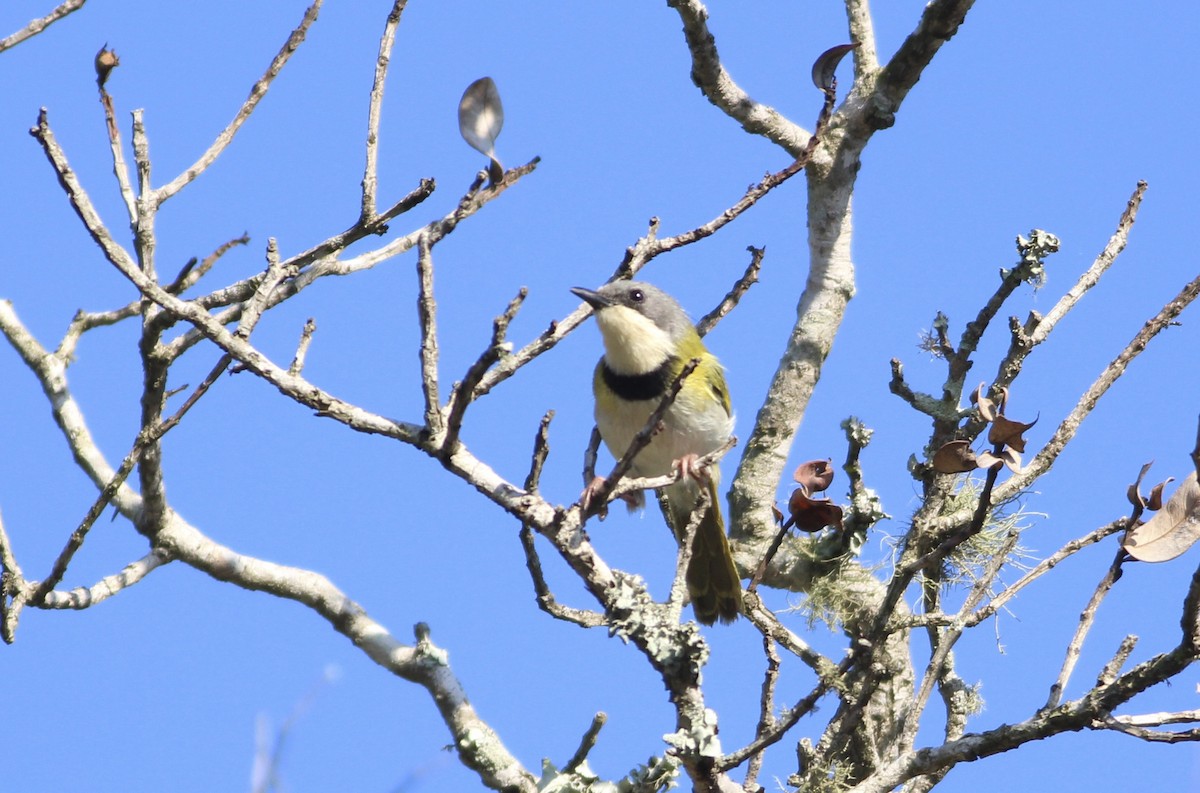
(639, 387)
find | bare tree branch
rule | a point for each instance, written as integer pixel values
(939, 22)
(709, 74)
(81, 597)
(36, 26)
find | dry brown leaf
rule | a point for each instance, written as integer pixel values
(1134, 492)
(1155, 501)
(1008, 432)
(987, 408)
(1173, 530)
(813, 514)
(989, 460)
(815, 475)
(955, 457)
(1012, 459)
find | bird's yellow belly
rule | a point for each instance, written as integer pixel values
(685, 431)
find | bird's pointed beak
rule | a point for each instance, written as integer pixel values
(590, 296)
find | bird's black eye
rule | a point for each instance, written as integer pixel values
(637, 295)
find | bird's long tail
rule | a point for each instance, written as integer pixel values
(712, 578)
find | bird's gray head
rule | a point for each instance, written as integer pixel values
(643, 298)
(642, 325)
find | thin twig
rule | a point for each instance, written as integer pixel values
(428, 352)
(772, 549)
(1086, 620)
(306, 336)
(463, 392)
(541, 451)
(734, 296)
(1113, 668)
(82, 598)
(275, 274)
(587, 743)
(151, 480)
(120, 168)
(769, 624)
(546, 601)
(83, 321)
(545, 598)
(192, 273)
(257, 92)
(1066, 430)
(651, 246)
(1116, 243)
(791, 717)
(371, 174)
(590, 454)
(78, 197)
(718, 85)
(1124, 725)
(766, 711)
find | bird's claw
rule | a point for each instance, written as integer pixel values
(689, 466)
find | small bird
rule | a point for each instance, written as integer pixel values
(648, 339)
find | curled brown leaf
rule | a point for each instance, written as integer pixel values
(987, 408)
(813, 514)
(989, 460)
(1011, 459)
(825, 66)
(814, 476)
(1155, 501)
(1134, 492)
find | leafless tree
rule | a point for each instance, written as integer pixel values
(878, 690)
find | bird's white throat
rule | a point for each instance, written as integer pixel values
(633, 344)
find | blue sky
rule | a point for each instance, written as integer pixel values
(1035, 115)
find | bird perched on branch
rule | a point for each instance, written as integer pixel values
(648, 341)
